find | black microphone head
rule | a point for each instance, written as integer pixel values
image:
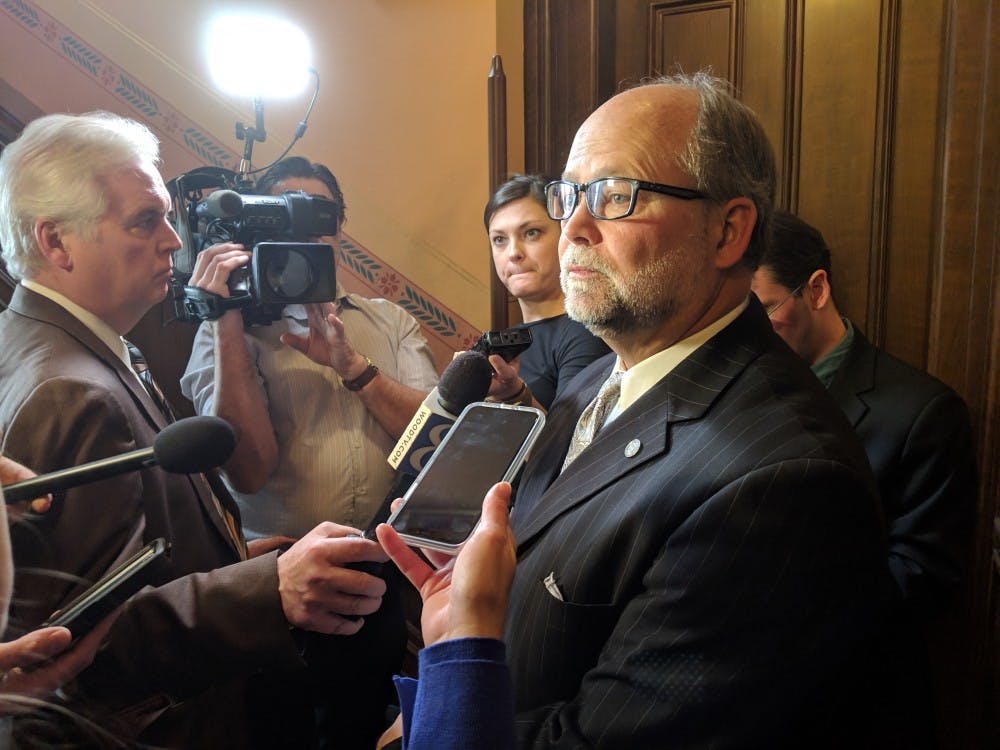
(222, 204)
(195, 444)
(465, 380)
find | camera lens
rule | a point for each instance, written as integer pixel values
(289, 274)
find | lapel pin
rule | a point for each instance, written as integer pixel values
(633, 447)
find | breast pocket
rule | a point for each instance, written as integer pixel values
(554, 642)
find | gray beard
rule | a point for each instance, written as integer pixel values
(625, 306)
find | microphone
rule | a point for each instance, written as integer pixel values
(221, 204)
(465, 380)
(188, 446)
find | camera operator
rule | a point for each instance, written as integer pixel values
(318, 398)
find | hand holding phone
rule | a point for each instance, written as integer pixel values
(487, 444)
(38, 663)
(466, 597)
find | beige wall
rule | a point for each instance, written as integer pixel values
(401, 114)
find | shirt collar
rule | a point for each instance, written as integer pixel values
(108, 336)
(644, 375)
(826, 369)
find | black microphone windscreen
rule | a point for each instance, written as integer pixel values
(465, 380)
(224, 204)
(194, 445)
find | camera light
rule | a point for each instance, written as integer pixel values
(258, 56)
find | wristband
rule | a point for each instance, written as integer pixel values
(523, 397)
(367, 375)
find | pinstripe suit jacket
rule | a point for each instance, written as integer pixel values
(719, 555)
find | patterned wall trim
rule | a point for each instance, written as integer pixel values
(366, 273)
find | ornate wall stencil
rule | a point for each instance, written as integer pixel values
(360, 271)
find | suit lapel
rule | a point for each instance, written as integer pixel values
(639, 434)
(550, 451)
(35, 306)
(855, 378)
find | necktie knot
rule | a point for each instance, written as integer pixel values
(594, 416)
(136, 357)
(141, 368)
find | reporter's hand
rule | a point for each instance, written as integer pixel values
(391, 734)
(327, 343)
(213, 266)
(318, 592)
(11, 471)
(467, 595)
(39, 646)
(506, 377)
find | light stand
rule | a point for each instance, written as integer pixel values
(249, 135)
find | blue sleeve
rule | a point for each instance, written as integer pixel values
(463, 698)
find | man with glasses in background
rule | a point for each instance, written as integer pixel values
(700, 556)
(914, 428)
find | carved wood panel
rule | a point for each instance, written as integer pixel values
(697, 35)
(568, 67)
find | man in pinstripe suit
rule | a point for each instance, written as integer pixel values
(710, 570)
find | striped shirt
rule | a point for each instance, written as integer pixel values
(331, 450)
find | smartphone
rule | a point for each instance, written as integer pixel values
(487, 444)
(508, 343)
(111, 591)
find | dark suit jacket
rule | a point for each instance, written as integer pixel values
(719, 556)
(66, 399)
(917, 435)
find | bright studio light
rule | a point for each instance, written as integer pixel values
(258, 56)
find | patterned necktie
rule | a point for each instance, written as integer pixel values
(142, 370)
(593, 417)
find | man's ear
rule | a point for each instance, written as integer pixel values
(49, 237)
(817, 290)
(739, 216)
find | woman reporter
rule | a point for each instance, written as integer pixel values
(525, 246)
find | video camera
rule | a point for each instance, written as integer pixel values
(213, 205)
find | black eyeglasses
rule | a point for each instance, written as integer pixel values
(607, 197)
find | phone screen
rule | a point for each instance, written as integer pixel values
(486, 445)
(84, 612)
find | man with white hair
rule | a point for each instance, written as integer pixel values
(83, 225)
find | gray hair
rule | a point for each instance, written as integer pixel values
(54, 171)
(728, 152)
